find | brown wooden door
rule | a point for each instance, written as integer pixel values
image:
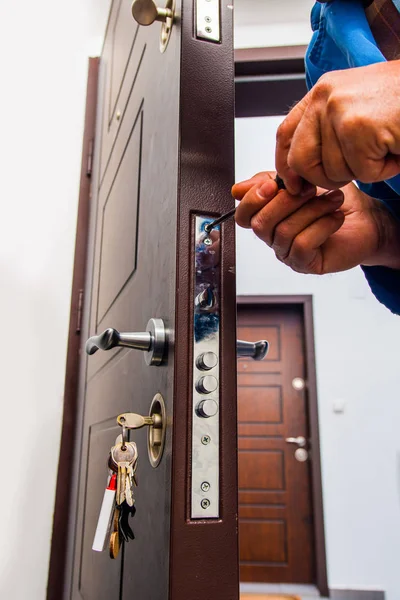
(164, 154)
(276, 529)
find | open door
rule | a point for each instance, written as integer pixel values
(163, 168)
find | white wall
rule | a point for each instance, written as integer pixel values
(358, 363)
(44, 47)
(260, 23)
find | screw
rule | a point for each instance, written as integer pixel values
(208, 30)
(207, 19)
(205, 439)
(208, 241)
(205, 486)
(205, 503)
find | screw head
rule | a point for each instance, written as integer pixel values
(208, 19)
(208, 30)
(205, 439)
(207, 241)
(205, 503)
(205, 486)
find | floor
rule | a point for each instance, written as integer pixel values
(269, 597)
(255, 591)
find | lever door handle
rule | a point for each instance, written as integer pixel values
(256, 350)
(300, 441)
(145, 12)
(152, 342)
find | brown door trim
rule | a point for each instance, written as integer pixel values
(58, 552)
(269, 53)
(306, 304)
(269, 81)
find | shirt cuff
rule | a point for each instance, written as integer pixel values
(385, 285)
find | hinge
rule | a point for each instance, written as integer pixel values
(89, 164)
(79, 312)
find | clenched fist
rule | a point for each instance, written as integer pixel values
(318, 234)
(347, 127)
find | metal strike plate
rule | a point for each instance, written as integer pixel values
(208, 20)
(206, 373)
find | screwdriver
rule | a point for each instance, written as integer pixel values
(210, 226)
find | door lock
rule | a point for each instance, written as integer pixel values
(299, 441)
(256, 350)
(300, 454)
(156, 423)
(153, 341)
(146, 12)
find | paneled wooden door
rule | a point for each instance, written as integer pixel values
(163, 154)
(275, 496)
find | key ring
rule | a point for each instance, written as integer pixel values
(124, 436)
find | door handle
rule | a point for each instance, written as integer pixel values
(299, 441)
(145, 12)
(256, 350)
(153, 341)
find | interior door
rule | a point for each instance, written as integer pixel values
(163, 166)
(275, 499)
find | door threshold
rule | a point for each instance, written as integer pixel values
(305, 592)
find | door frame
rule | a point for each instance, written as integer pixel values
(305, 302)
(269, 81)
(63, 499)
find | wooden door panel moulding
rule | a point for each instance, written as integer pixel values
(62, 502)
(306, 302)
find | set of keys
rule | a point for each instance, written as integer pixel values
(118, 501)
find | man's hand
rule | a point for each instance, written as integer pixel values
(319, 234)
(347, 127)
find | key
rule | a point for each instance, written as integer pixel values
(134, 421)
(130, 482)
(123, 459)
(128, 487)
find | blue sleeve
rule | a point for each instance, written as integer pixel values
(384, 282)
(341, 39)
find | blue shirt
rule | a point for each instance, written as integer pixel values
(342, 39)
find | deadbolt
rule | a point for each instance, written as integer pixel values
(256, 350)
(206, 384)
(207, 408)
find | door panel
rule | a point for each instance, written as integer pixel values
(164, 153)
(275, 511)
(119, 224)
(122, 57)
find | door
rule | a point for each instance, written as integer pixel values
(163, 165)
(275, 499)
